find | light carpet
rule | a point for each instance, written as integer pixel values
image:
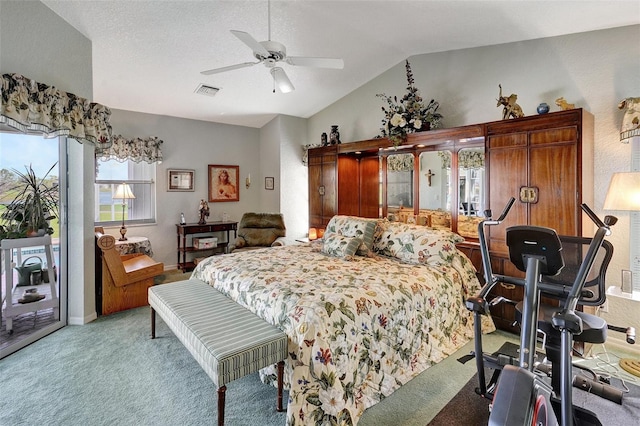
(111, 372)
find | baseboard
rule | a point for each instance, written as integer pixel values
(83, 320)
(614, 345)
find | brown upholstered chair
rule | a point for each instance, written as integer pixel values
(125, 279)
(259, 230)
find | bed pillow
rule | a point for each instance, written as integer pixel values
(351, 226)
(341, 246)
(416, 244)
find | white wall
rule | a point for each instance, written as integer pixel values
(38, 44)
(293, 184)
(275, 151)
(192, 144)
(270, 166)
(594, 70)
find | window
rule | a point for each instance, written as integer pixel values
(141, 179)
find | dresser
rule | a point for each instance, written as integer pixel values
(187, 252)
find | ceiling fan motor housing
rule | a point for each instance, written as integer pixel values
(277, 52)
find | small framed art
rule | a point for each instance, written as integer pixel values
(268, 183)
(180, 180)
(223, 183)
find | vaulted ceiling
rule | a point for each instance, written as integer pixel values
(147, 55)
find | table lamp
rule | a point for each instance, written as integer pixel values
(624, 195)
(123, 191)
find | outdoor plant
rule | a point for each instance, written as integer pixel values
(35, 203)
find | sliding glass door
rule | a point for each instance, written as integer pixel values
(33, 268)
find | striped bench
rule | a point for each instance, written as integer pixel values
(226, 339)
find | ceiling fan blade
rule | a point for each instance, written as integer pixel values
(253, 44)
(281, 80)
(316, 62)
(229, 68)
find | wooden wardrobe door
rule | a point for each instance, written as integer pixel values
(554, 172)
(508, 170)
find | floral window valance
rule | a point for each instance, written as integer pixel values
(31, 106)
(400, 163)
(471, 159)
(466, 159)
(132, 149)
(445, 156)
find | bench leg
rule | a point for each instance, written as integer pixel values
(153, 323)
(280, 374)
(221, 393)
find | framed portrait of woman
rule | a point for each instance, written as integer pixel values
(223, 183)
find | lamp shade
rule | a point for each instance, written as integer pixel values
(123, 192)
(624, 192)
(313, 233)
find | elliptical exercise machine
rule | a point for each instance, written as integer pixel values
(519, 395)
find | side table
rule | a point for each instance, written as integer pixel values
(186, 246)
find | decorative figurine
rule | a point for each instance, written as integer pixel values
(564, 105)
(204, 212)
(511, 108)
(334, 136)
(323, 139)
(182, 219)
(631, 120)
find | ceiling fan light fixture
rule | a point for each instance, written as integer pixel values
(281, 80)
(206, 90)
(271, 52)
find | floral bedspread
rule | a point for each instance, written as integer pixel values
(357, 329)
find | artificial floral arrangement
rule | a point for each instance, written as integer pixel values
(409, 114)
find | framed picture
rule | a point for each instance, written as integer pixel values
(223, 183)
(268, 183)
(180, 180)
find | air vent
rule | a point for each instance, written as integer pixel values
(203, 89)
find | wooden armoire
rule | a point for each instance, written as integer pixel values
(344, 182)
(544, 161)
(323, 180)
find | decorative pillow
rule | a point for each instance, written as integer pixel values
(351, 226)
(341, 246)
(416, 244)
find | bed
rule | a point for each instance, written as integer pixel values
(365, 309)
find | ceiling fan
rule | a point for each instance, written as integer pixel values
(270, 53)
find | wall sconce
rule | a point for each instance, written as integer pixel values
(313, 234)
(631, 120)
(247, 181)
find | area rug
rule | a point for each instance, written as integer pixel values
(466, 408)
(171, 275)
(469, 409)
